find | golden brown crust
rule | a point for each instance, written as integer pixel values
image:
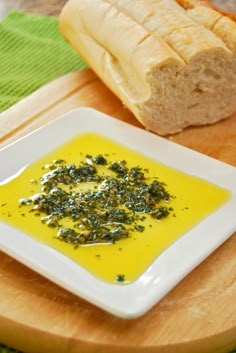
(190, 4)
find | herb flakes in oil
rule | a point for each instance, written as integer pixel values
(104, 201)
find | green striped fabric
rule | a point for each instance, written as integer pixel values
(32, 53)
(4, 349)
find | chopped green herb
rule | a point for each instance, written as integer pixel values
(110, 210)
(120, 278)
(59, 161)
(139, 228)
(100, 160)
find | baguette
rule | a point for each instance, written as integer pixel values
(173, 64)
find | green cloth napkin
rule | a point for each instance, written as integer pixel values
(4, 349)
(32, 53)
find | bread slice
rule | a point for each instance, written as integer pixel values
(173, 66)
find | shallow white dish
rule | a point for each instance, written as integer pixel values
(132, 300)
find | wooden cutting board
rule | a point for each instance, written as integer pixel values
(37, 316)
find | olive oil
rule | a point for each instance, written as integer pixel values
(193, 199)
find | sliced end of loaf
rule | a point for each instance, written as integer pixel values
(201, 93)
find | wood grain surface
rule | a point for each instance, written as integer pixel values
(197, 316)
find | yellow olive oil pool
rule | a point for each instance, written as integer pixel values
(192, 199)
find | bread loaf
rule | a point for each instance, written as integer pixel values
(173, 66)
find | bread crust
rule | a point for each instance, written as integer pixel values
(221, 23)
(169, 65)
(190, 4)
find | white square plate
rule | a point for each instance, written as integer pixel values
(136, 298)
